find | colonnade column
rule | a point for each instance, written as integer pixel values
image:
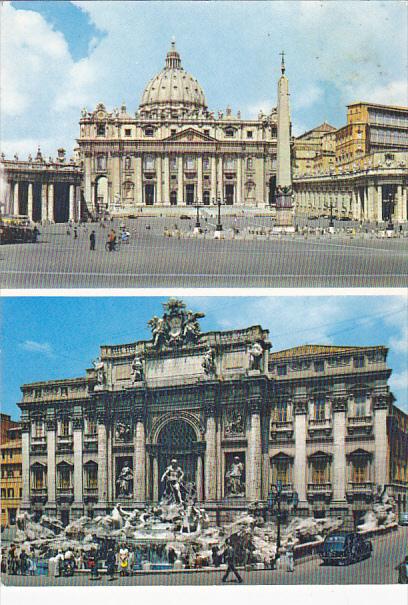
(254, 452)
(380, 405)
(200, 179)
(379, 203)
(180, 181)
(30, 201)
(404, 216)
(139, 459)
(239, 180)
(44, 213)
(213, 178)
(102, 464)
(166, 190)
(51, 202)
(370, 202)
(78, 461)
(299, 475)
(16, 205)
(339, 449)
(25, 464)
(71, 203)
(51, 478)
(139, 181)
(159, 179)
(210, 482)
(220, 179)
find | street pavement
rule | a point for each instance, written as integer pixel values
(152, 260)
(388, 552)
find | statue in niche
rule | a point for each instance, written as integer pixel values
(137, 369)
(100, 371)
(208, 362)
(234, 422)
(173, 478)
(124, 481)
(123, 432)
(234, 478)
(255, 356)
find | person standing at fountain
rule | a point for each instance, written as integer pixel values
(93, 561)
(229, 555)
(123, 560)
(111, 563)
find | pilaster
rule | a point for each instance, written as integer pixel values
(299, 475)
(30, 201)
(139, 458)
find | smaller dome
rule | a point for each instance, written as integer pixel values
(173, 87)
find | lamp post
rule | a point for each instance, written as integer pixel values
(274, 507)
(390, 226)
(218, 228)
(331, 223)
(197, 226)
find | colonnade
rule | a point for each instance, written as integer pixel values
(47, 203)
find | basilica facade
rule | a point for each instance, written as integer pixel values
(174, 151)
(231, 415)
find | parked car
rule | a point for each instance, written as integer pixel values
(403, 518)
(345, 547)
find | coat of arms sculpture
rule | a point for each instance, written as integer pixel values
(177, 327)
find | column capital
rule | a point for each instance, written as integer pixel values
(25, 426)
(381, 402)
(77, 424)
(255, 405)
(300, 406)
(339, 404)
(139, 415)
(210, 408)
(51, 424)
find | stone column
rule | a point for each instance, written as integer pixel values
(102, 464)
(78, 466)
(51, 470)
(72, 203)
(16, 205)
(30, 201)
(404, 205)
(210, 465)
(220, 178)
(44, 209)
(25, 464)
(239, 181)
(339, 450)
(380, 405)
(158, 179)
(139, 181)
(166, 190)
(180, 181)
(399, 205)
(51, 202)
(299, 478)
(213, 178)
(199, 478)
(200, 179)
(139, 460)
(156, 479)
(370, 202)
(379, 203)
(254, 462)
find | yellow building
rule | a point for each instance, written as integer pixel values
(11, 470)
(310, 148)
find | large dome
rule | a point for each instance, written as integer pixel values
(173, 87)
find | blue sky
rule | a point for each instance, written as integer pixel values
(57, 337)
(59, 56)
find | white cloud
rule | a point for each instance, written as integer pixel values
(265, 106)
(43, 348)
(308, 97)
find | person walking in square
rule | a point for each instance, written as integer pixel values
(92, 240)
(229, 555)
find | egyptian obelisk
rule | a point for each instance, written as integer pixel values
(284, 200)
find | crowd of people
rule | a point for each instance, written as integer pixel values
(16, 561)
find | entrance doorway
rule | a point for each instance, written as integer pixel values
(61, 203)
(229, 195)
(173, 198)
(189, 195)
(149, 195)
(177, 440)
(65, 517)
(12, 513)
(101, 195)
(272, 191)
(206, 198)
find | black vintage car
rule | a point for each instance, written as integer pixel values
(345, 547)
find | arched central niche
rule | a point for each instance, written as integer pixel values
(177, 439)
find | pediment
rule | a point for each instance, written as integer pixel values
(190, 135)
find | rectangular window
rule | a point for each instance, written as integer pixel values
(282, 370)
(128, 132)
(360, 405)
(319, 409)
(92, 477)
(206, 163)
(64, 478)
(65, 432)
(173, 132)
(38, 478)
(249, 134)
(320, 471)
(38, 429)
(207, 132)
(90, 427)
(281, 411)
(10, 492)
(281, 472)
(173, 163)
(190, 163)
(148, 163)
(358, 362)
(101, 130)
(319, 366)
(359, 472)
